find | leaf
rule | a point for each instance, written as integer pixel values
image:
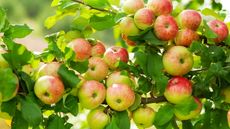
(55, 3)
(164, 115)
(71, 104)
(19, 122)
(211, 12)
(112, 124)
(97, 3)
(187, 124)
(154, 65)
(31, 112)
(9, 107)
(80, 67)
(2, 18)
(56, 122)
(141, 59)
(18, 31)
(80, 23)
(102, 22)
(208, 32)
(151, 38)
(186, 107)
(122, 120)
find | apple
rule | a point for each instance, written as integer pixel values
(128, 26)
(178, 90)
(226, 94)
(82, 49)
(136, 103)
(185, 37)
(220, 28)
(165, 27)
(117, 77)
(115, 54)
(50, 69)
(143, 117)
(144, 18)
(3, 62)
(120, 97)
(127, 40)
(177, 60)
(192, 114)
(49, 89)
(190, 19)
(91, 94)
(131, 6)
(98, 49)
(228, 116)
(97, 69)
(97, 118)
(160, 7)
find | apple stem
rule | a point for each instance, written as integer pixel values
(153, 100)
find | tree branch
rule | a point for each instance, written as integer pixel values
(153, 100)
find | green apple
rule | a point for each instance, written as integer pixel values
(3, 62)
(226, 94)
(97, 118)
(49, 89)
(50, 69)
(128, 26)
(144, 117)
(91, 94)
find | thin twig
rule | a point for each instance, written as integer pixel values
(153, 100)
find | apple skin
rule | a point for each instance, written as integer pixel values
(115, 54)
(98, 49)
(144, 117)
(128, 26)
(127, 40)
(190, 19)
(178, 90)
(131, 6)
(49, 89)
(226, 94)
(97, 118)
(50, 69)
(165, 27)
(144, 18)
(82, 48)
(228, 117)
(220, 28)
(192, 114)
(97, 69)
(177, 61)
(120, 97)
(160, 7)
(185, 37)
(91, 94)
(3, 62)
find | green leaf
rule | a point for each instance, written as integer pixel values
(154, 65)
(80, 23)
(97, 3)
(164, 115)
(31, 112)
(18, 121)
(9, 107)
(56, 122)
(208, 32)
(55, 3)
(2, 18)
(187, 124)
(71, 104)
(151, 38)
(122, 120)
(102, 22)
(211, 12)
(141, 59)
(186, 107)
(18, 31)
(112, 124)
(81, 67)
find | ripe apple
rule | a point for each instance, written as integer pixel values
(128, 27)
(143, 117)
(98, 49)
(3, 62)
(228, 116)
(160, 7)
(115, 54)
(192, 114)
(49, 89)
(178, 60)
(82, 48)
(97, 118)
(190, 19)
(131, 6)
(178, 90)
(118, 78)
(220, 28)
(127, 40)
(91, 94)
(120, 97)
(144, 18)
(226, 94)
(165, 27)
(97, 69)
(50, 69)
(185, 37)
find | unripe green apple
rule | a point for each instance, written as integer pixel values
(144, 117)
(128, 27)
(120, 97)
(160, 7)
(91, 94)
(192, 114)
(3, 62)
(177, 60)
(50, 69)
(131, 6)
(178, 90)
(185, 37)
(144, 18)
(97, 118)
(49, 89)
(226, 94)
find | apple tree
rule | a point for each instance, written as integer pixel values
(169, 67)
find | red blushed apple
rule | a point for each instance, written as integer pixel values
(120, 97)
(115, 54)
(220, 28)
(127, 40)
(128, 27)
(49, 69)
(165, 27)
(160, 7)
(226, 94)
(177, 61)
(228, 117)
(178, 90)
(97, 69)
(185, 37)
(192, 114)
(98, 49)
(144, 117)
(82, 48)
(144, 18)
(3, 62)
(49, 89)
(131, 6)
(91, 94)
(190, 19)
